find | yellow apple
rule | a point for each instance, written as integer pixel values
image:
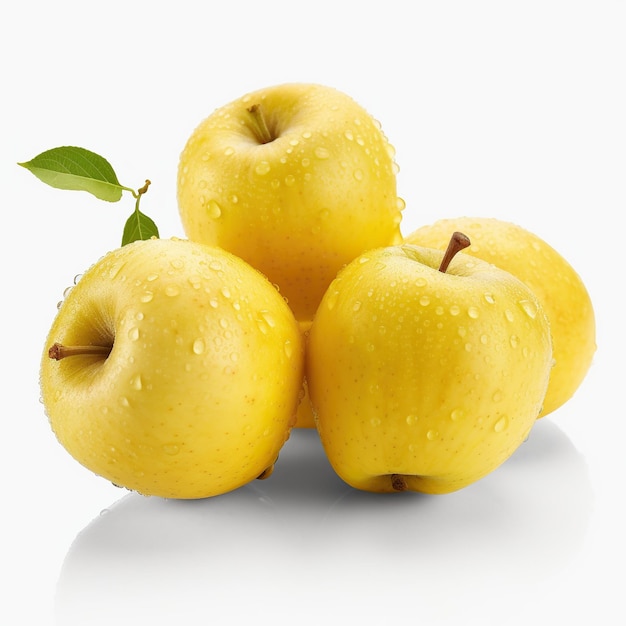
(425, 377)
(173, 369)
(296, 179)
(554, 281)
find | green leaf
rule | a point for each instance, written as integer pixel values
(139, 227)
(78, 169)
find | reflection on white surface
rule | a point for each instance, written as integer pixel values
(302, 539)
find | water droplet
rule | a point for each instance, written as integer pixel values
(400, 204)
(501, 424)
(455, 310)
(290, 180)
(213, 209)
(268, 317)
(234, 357)
(473, 312)
(411, 419)
(198, 346)
(331, 299)
(321, 153)
(514, 340)
(529, 307)
(375, 421)
(370, 347)
(124, 402)
(229, 151)
(431, 435)
(457, 414)
(424, 300)
(509, 315)
(358, 175)
(213, 303)
(288, 349)
(262, 168)
(177, 264)
(171, 449)
(225, 291)
(489, 298)
(133, 333)
(136, 383)
(497, 396)
(115, 269)
(356, 306)
(146, 296)
(172, 290)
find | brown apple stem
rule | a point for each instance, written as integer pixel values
(58, 351)
(398, 482)
(259, 124)
(458, 242)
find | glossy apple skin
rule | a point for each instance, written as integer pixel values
(301, 206)
(200, 389)
(554, 281)
(434, 377)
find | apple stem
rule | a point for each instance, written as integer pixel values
(398, 482)
(458, 242)
(260, 128)
(58, 351)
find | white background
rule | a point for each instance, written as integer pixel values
(513, 110)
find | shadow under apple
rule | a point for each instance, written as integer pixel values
(274, 543)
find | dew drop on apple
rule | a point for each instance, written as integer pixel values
(358, 175)
(198, 346)
(497, 396)
(502, 424)
(213, 209)
(473, 312)
(133, 333)
(172, 290)
(509, 315)
(529, 307)
(457, 414)
(321, 153)
(262, 168)
(424, 300)
(489, 299)
(514, 341)
(290, 180)
(332, 298)
(431, 435)
(171, 449)
(136, 382)
(375, 421)
(146, 297)
(288, 349)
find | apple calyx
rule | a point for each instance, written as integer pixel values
(58, 351)
(398, 482)
(458, 242)
(259, 124)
